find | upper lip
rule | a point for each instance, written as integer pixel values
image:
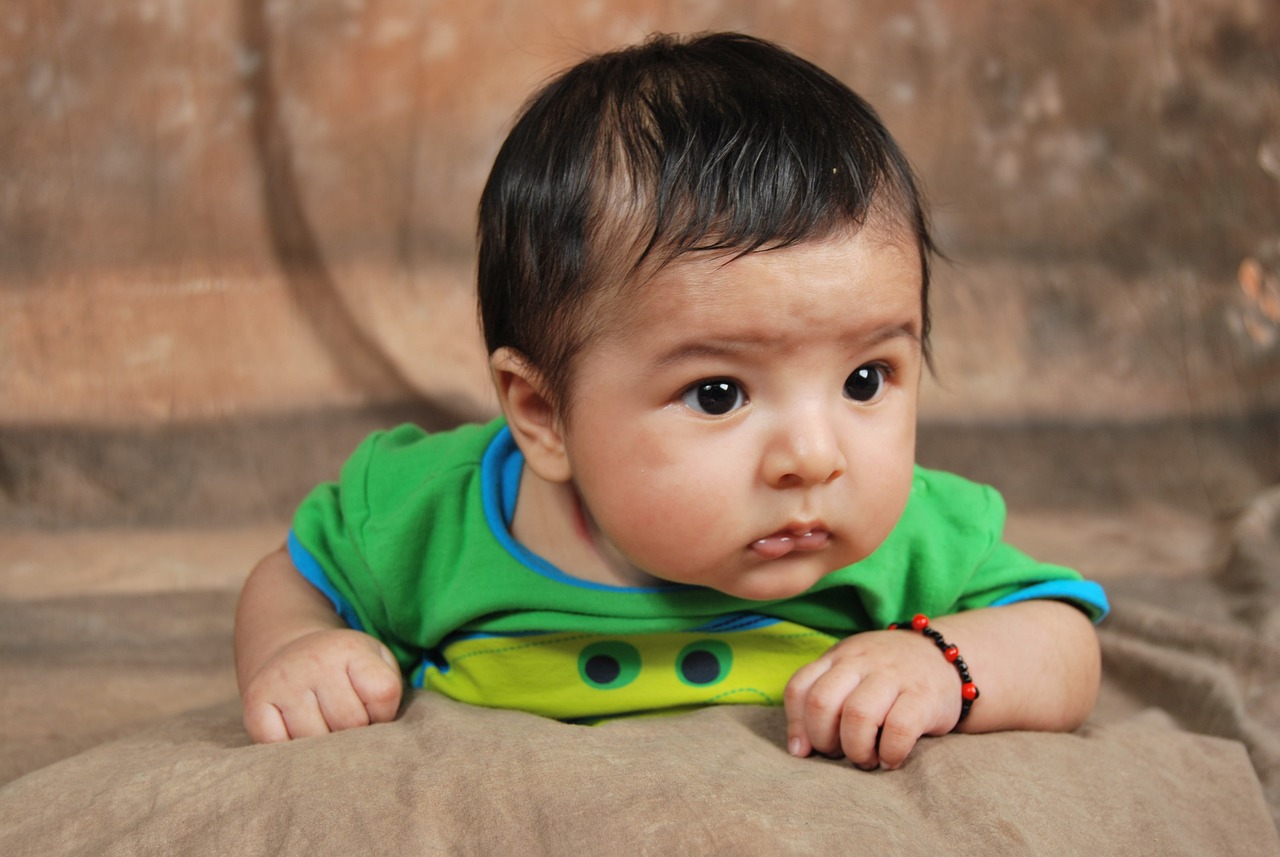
(799, 528)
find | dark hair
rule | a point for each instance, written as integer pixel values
(632, 158)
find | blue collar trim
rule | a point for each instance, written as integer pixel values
(500, 473)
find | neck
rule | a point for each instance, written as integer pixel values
(552, 521)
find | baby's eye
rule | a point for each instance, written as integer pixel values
(715, 398)
(866, 383)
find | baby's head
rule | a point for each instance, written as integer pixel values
(636, 158)
(703, 279)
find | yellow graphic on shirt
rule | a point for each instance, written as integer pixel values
(582, 676)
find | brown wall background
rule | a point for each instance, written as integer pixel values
(235, 235)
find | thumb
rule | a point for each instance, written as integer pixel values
(388, 658)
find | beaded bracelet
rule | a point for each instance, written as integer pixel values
(968, 690)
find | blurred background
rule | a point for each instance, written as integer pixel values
(236, 235)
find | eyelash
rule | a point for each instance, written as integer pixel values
(719, 388)
(691, 394)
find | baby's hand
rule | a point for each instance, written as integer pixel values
(322, 682)
(870, 697)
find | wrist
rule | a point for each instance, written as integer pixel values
(950, 653)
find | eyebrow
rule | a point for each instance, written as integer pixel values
(732, 347)
(888, 333)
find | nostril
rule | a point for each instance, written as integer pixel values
(802, 454)
(788, 480)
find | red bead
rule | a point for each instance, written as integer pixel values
(919, 622)
(951, 653)
(969, 691)
(893, 626)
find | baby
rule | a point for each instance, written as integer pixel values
(703, 283)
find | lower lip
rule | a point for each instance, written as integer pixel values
(781, 544)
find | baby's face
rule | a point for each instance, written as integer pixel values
(751, 428)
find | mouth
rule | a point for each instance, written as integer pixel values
(790, 540)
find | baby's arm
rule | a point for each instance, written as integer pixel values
(301, 670)
(870, 697)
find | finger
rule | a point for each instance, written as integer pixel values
(864, 713)
(264, 723)
(302, 716)
(340, 706)
(793, 703)
(824, 707)
(378, 686)
(903, 726)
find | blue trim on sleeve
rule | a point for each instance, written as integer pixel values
(500, 471)
(315, 575)
(1085, 594)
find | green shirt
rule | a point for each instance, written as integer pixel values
(412, 545)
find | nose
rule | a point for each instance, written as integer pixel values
(804, 451)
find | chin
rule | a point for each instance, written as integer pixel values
(785, 578)
(771, 586)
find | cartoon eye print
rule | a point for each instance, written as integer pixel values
(609, 665)
(584, 678)
(613, 664)
(704, 663)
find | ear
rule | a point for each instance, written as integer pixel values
(535, 424)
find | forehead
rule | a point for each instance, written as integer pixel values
(838, 285)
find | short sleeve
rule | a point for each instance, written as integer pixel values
(951, 538)
(1001, 574)
(329, 543)
(1009, 576)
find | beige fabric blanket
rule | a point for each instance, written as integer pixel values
(448, 779)
(1181, 757)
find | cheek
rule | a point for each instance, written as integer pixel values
(895, 499)
(663, 500)
(651, 504)
(880, 485)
